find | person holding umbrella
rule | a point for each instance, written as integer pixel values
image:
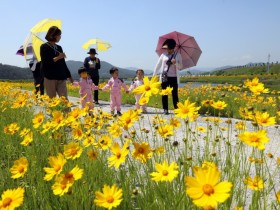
(53, 64)
(38, 77)
(92, 65)
(168, 65)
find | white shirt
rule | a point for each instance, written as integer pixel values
(162, 66)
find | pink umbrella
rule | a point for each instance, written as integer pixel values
(185, 45)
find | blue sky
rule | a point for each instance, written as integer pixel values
(229, 32)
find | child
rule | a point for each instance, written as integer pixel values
(137, 82)
(115, 85)
(86, 88)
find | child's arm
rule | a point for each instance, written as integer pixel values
(132, 87)
(108, 85)
(94, 87)
(124, 87)
(75, 83)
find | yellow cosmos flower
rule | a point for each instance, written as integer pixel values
(254, 184)
(76, 114)
(89, 140)
(207, 102)
(92, 154)
(119, 154)
(220, 105)
(109, 197)
(115, 130)
(278, 196)
(165, 172)
(64, 181)
(205, 188)
(104, 142)
(46, 127)
(185, 110)
(77, 133)
(259, 89)
(159, 150)
(165, 131)
(142, 151)
(11, 129)
(251, 83)
(245, 113)
(175, 122)
(27, 139)
(20, 101)
(24, 131)
(57, 163)
(166, 92)
(263, 119)
(72, 150)
(144, 100)
(12, 199)
(19, 168)
(255, 139)
(128, 118)
(58, 120)
(201, 129)
(38, 119)
(240, 125)
(238, 208)
(149, 87)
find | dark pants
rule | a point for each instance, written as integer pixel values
(95, 80)
(171, 82)
(39, 85)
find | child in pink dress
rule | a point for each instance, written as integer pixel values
(137, 82)
(115, 84)
(86, 88)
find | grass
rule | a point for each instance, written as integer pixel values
(220, 144)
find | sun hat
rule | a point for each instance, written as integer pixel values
(92, 51)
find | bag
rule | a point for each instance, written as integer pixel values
(164, 76)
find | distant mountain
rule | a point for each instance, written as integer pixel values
(8, 72)
(147, 72)
(103, 71)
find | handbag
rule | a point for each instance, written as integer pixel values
(164, 77)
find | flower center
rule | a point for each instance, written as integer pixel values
(147, 88)
(208, 189)
(254, 139)
(141, 150)
(7, 202)
(118, 155)
(20, 169)
(164, 172)
(110, 199)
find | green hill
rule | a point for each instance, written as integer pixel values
(237, 76)
(273, 69)
(9, 72)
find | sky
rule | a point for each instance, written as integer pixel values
(229, 32)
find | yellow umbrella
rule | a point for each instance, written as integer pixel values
(34, 39)
(100, 45)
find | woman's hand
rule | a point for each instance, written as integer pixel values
(173, 61)
(60, 56)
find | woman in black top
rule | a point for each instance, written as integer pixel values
(53, 64)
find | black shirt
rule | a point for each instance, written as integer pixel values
(53, 70)
(92, 66)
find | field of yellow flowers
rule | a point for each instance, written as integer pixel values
(56, 158)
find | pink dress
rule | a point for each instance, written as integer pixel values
(134, 85)
(115, 86)
(86, 88)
